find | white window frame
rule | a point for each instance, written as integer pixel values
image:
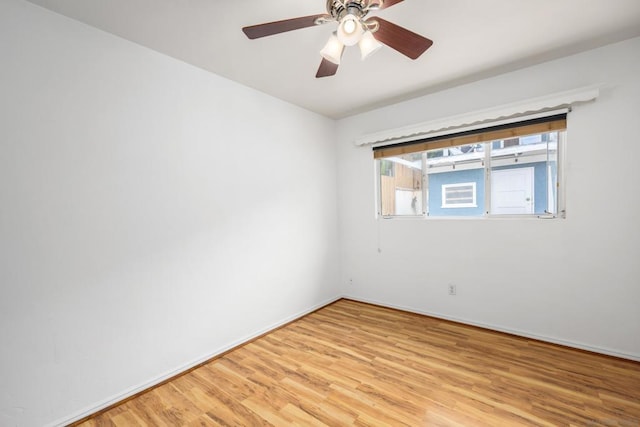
(473, 204)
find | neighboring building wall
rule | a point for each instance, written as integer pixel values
(403, 178)
(437, 180)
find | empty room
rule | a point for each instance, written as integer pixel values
(327, 213)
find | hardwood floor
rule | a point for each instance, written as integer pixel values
(357, 364)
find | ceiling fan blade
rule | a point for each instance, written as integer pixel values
(327, 68)
(404, 41)
(389, 3)
(277, 27)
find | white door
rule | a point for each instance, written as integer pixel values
(512, 191)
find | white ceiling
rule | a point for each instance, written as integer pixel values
(473, 39)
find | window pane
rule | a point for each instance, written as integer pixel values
(456, 181)
(524, 175)
(401, 191)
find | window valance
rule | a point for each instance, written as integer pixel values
(516, 112)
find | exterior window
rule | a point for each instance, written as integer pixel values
(516, 175)
(402, 189)
(459, 195)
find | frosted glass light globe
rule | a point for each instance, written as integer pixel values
(350, 30)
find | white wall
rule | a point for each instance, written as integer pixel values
(151, 215)
(583, 288)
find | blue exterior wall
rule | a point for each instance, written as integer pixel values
(437, 180)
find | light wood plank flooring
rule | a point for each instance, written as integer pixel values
(357, 364)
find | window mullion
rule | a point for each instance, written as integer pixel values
(425, 185)
(561, 184)
(488, 146)
(378, 174)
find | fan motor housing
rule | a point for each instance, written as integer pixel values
(339, 8)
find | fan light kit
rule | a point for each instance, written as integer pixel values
(369, 34)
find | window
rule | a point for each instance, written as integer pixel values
(459, 195)
(505, 170)
(402, 189)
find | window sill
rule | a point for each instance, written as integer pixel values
(471, 218)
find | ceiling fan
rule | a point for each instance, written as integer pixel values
(353, 28)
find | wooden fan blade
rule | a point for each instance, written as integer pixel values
(389, 3)
(277, 27)
(327, 68)
(404, 41)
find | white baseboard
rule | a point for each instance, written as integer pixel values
(552, 340)
(170, 374)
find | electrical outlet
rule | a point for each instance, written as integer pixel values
(452, 289)
(350, 282)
